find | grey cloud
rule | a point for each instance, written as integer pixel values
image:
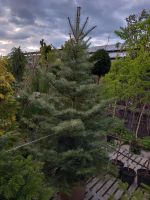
(48, 19)
(22, 16)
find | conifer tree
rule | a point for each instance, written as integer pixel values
(102, 63)
(21, 178)
(71, 113)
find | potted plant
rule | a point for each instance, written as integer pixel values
(111, 137)
(135, 147)
(128, 175)
(143, 175)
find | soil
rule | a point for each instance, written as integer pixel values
(76, 194)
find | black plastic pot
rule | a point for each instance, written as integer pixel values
(111, 138)
(128, 175)
(119, 166)
(143, 177)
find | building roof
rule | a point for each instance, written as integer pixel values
(108, 48)
(112, 49)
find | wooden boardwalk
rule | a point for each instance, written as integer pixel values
(104, 188)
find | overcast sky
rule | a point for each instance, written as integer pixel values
(25, 22)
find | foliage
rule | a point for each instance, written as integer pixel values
(101, 61)
(71, 112)
(38, 78)
(48, 54)
(128, 79)
(145, 142)
(140, 193)
(17, 62)
(136, 33)
(7, 100)
(21, 178)
(131, 74)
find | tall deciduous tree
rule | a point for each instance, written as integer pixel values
(48, 54)
(136, 33)
(129, 76)
(7, 100)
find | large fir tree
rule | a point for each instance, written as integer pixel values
(71, 113)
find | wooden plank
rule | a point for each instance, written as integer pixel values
(92, 195)
(137, 166)
(124, 160)
(131, 163)
(100, 184)
(90, 179)
(111, 191)
(138, 159)
(120, 157)
(116, 152)
(133, 187)
(90, 184)
(103, 190)
(118, 194)
(89, 196)
(94, 187)
(143, 162)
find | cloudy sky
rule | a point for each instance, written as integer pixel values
(25, 22)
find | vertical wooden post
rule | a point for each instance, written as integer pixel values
(139, 121)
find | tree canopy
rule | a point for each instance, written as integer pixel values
(17, 62)
(7, 100)
(101, 62)
(21, 178)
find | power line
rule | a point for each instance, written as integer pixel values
(28, 143)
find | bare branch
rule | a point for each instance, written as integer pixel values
(84, 26)
(71, 28)
(88, 32)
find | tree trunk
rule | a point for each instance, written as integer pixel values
(148, 125)
(132, 121)
(139, 121)
(118, 151)
(147, 168)
(114, 110)
(98, 79)
(125, 110)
